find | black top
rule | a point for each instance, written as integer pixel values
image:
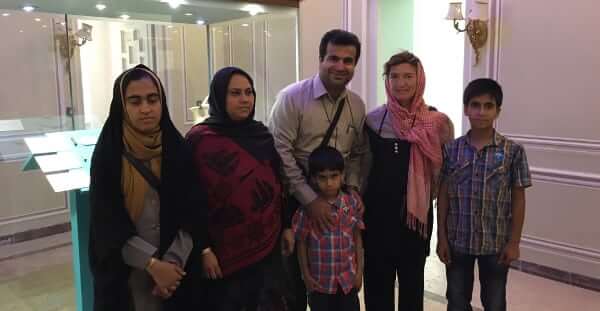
(385, 198)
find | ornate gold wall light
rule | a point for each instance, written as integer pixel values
(69, 40)
(476, 24)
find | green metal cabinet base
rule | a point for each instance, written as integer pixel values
(79, 209)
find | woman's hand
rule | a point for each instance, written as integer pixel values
(163, 293)
(210, 264)
(310, 283)
(358, 281)
(287, 242)
(165, 274)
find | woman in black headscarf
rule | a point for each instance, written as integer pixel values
(141, 199)
(236, 161)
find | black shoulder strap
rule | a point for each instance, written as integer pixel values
(143, 170)
(333, 124)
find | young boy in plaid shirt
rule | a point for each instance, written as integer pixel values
(331, 262)
(481, 203)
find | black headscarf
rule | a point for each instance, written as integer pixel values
(250, 134)
(111, 225)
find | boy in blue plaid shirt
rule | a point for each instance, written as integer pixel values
(481, 203)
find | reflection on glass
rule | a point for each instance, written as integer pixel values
(62, 70)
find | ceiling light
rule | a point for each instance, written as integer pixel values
(5, 14)
(44, 26)
(188, 14)
(37, 19)
(253, 9)
(100, 6)
(174, 3)
(245, 25)
(200, 22)
(125, 16)
(29, 8)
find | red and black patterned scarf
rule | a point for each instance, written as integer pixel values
(239, 167)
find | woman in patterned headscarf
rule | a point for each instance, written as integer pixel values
(406, 138)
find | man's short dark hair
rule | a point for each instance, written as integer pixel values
(483, 86)
(325, 158)
(339, 37)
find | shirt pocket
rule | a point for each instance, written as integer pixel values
(459, 180)
(346, 134)
(496, 182)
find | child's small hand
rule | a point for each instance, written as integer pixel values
(358, 281)
(310, 283)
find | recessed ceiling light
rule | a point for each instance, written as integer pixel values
(200, 22)
(5, 14)
(188, 14)
(29, 8)
(170, 26)
(100, 6)
(125, 16)
(37, 19)
(253, 9)
(174, 3)
(21, 30)
(245, 25)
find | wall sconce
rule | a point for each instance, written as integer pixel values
(476, 25)
(200, 111)
(68, 42)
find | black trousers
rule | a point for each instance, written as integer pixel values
(258, 287)
(334, 302)
(298, 299)
(403, 259)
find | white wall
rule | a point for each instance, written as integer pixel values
(545, 56)
(316, 17)
(441, 50)
(265, 46)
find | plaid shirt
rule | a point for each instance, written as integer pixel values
(479, 192)
(331, 255)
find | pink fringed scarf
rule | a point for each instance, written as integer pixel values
(427, 131)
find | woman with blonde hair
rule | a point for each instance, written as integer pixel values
(406, 138)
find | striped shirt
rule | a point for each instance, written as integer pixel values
(479, 192)
(331, 255)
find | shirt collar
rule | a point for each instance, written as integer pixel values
(319, 89)
(497, 140)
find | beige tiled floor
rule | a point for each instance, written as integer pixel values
(44, 281)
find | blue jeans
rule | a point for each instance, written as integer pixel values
(492, 277)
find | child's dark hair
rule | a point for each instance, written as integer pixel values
(325, 158)
(483, 86)
(339, 37)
